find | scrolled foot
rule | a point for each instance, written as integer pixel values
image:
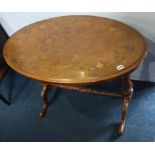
(44, 98)
(124, 110)
(121, 129)
(43, 111)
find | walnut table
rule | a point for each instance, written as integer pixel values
(73, 52)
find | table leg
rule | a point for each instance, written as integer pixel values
(44, 98)
(128, 88)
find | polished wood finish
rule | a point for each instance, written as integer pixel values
(128, 92)
(91, 91)
(44, 98)
(76, 51)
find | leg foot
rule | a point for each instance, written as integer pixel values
(128, 86)
(124, 110)
(44, 98)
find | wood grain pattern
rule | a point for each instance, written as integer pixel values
(75, 50)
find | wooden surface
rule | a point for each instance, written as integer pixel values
(75, 50)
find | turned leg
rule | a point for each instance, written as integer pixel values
(128, 88)
(44, 98)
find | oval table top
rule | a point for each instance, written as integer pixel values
(75, 50)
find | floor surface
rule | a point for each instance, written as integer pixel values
(73, 116)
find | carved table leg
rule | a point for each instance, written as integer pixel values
(44, 98)
(128, 86)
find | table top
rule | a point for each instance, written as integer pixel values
(75, 50)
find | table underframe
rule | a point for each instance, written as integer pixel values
(126, 95)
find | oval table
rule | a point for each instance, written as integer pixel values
(73, 52)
